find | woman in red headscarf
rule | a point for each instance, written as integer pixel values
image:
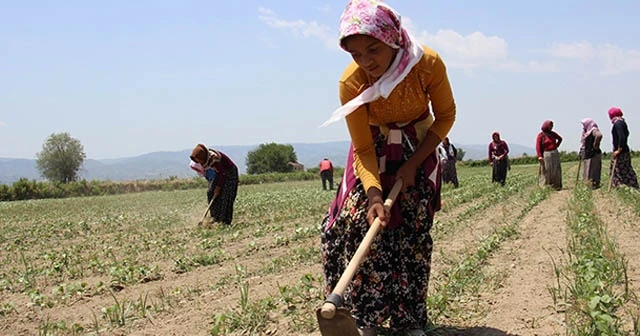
(547, 143)
(386, 92)
(621, 170)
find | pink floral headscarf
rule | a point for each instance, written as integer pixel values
(376, 19)
(588, 125)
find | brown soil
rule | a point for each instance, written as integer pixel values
(515, 301)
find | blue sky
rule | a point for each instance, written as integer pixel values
(132, 77)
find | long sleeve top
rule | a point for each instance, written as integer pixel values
(620, 135)
(546, 142)
(498, 149)
(223, 168)
(427, 82)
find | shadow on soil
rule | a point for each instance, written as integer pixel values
(471, 331)
(455, 331)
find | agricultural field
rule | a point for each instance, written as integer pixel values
(512, 260)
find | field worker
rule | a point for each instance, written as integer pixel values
(498, 158)
(385, 93)
(620, 169)
(209, 174)
(326, 173)
(590, 152)
(224, 187)
(547, 143)
(448, 157)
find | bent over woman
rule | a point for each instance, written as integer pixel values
(225, 185)
(385, 93)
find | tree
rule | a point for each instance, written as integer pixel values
(271, 158)
(61, 158)
(460, 154)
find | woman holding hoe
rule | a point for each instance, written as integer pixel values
(621, 170)
(385, 93)
(222, 189)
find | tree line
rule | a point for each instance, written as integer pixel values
(62, 157)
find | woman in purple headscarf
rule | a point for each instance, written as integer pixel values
(621, 170)
(386, 92)
(590, 152)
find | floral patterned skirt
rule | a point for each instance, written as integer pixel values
(624, 173)
(393, 279)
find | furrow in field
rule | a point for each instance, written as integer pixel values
(622, 225)
(521, 304)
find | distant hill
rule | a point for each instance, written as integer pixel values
(160, 165)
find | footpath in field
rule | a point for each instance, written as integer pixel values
(523, 305)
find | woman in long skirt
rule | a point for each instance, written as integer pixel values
(547, 143)
(620, 169)
(224, 187)
(386, 93)
(590, 152)
(498, 158)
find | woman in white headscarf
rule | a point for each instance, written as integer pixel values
(590, 152)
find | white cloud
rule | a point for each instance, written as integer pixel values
(2, 123)
(300, 28)
(479, 51)
(606, 59)
(616, 60)
(475, 47)
(472, 51)
(579, 50)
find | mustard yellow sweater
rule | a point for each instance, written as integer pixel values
(426, 82)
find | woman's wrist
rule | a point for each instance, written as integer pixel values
(374, 195)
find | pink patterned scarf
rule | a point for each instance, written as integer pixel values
(376, 19)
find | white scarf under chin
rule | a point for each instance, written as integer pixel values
(383, 86)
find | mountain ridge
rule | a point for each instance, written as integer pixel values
(165, 164)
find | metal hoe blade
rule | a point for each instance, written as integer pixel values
(342, 324)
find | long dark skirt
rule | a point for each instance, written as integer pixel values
(222, 208)
(499, 170)
(449, 172)
(392, 281)
(624, 173)
(552, 169)
(592, 170)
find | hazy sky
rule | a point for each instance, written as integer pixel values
(131, 77)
